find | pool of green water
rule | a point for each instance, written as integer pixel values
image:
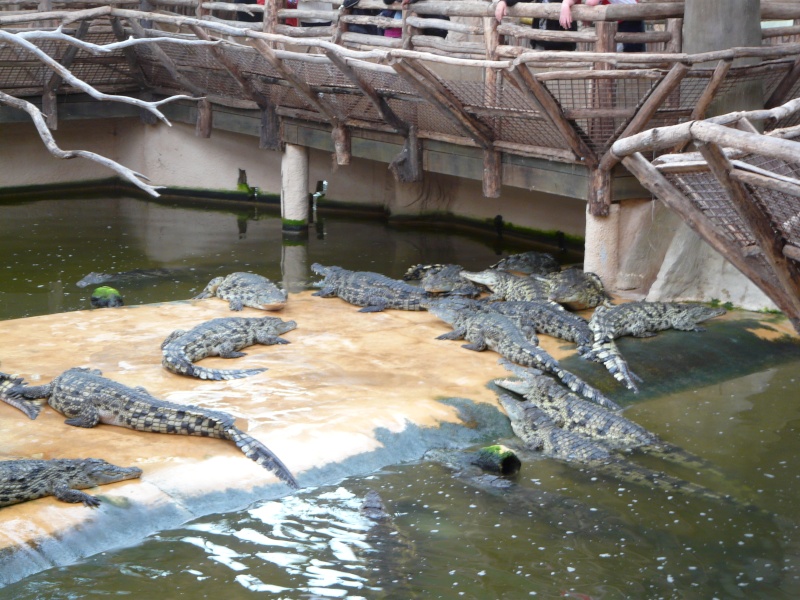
(552, 531)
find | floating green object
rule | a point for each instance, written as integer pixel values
(105, 296)
(497, 459)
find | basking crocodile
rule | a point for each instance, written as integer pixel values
(515, 313)
(639, 319)
(494, 331)
(529, 263)
(540, 433)
(373, 291)
(9, 383)
(86, 399)
(549, 318)
(442, 279)
(505, 286)
(220, 337)
(28, 479)
(245, 289)
(576, 289)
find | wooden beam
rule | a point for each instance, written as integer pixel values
(707, 97)
(654, 181)
(136, 70)
(49, 96)
(431, 88)
(166, 61)
(791, 251)
(378, 102)
(781, 92)
(648, 108)
(205, 119)
(540, 98)
(341, 144)
(787, 273)
(300, 86)
(492, 173)
(771, 183)
(407, 165)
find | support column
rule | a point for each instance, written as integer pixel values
(294, 189)
(602, 245)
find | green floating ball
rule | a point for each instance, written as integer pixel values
(105, 296)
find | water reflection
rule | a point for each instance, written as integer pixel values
(171, 250)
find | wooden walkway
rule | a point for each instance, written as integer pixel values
(482, 87)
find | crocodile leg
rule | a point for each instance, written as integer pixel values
(66, 494)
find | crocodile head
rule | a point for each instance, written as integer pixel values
(532, 262)
(699, 313)
(489, 277)
(284, 326)
(93, 279)
(446, 309)
(89, 472)
(575, 289)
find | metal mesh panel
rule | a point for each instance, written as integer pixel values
(783, 209)
(707, 195)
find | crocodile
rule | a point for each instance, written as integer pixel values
(540, 433)
(443, 279)
(86, 399)
(220, 337)
(576, 289)
(9, 383)
(245, 289)
(494, 331)
(29, 479)
(572, 413)
(639, 319)
(538, 263)
(505, 286)
(372, 291)
(95, 278)
(549, 318)
(518, 316)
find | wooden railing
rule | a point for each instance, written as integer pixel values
(484, 91)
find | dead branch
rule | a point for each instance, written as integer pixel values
(50, 143)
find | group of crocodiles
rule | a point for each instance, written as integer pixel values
(87, 398)
(535, 300)
(528, 294)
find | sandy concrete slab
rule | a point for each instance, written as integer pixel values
(344, 376)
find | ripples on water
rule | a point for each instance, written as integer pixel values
(556, 532)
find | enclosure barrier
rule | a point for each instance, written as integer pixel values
(740, 191)
(482, 86)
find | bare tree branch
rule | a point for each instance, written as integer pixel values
(21, 41)
(44, 133)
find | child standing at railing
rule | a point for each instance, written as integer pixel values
(565, 19)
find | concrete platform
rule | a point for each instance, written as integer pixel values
(348, 386)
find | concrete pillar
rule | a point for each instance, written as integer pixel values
(601, 254)
(711, 25)
(294, 189)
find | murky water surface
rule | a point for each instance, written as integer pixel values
(552, 531)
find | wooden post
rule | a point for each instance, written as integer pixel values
(205, 118)
(49, 95)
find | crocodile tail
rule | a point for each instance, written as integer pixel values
(183, 366)
(255, 450)
(221, 374)
(577, 385)
(609, 355)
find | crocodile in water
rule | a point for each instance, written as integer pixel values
(246, 289)
(94, 278)
(86, 399)
(28, 479)
(220, 337)
(373, 291)
(540, 433)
